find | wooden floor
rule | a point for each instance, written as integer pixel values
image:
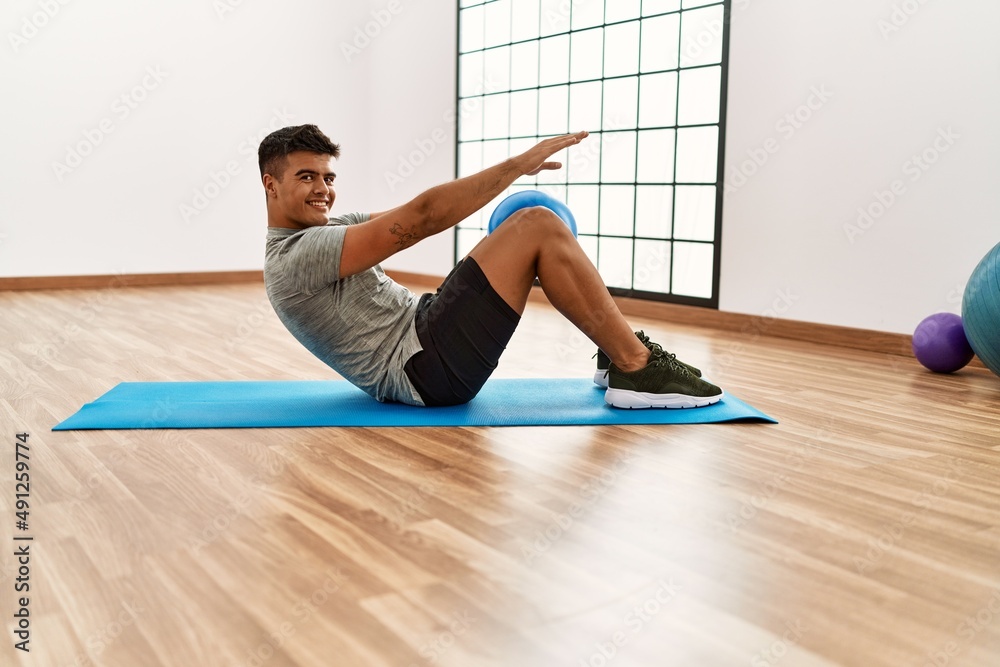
(864, 529)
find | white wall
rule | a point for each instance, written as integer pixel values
(227, 71)
(412, 115)
(793, 236)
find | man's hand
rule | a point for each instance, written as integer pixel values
(535, 159)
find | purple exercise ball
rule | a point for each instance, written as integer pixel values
(939, 343)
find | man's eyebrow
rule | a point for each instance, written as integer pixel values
(300, 172)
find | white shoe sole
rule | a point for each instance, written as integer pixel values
(635, 400)
(601, 379)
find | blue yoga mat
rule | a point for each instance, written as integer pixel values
(252, 404)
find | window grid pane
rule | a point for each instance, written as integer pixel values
(647, 79)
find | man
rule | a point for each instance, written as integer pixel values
(324, 281)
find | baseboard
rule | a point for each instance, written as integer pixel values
(130, 280)
(750, 325)
(756, 325)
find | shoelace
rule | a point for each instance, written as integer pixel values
(641, 335)
(657, 355)
(661, 357)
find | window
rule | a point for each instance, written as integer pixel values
(647, 79)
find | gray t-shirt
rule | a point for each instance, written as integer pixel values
(362, 326)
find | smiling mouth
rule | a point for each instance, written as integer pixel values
(319, 204)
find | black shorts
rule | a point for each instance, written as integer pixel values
(463, 329)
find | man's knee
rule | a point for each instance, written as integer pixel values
(538, 221)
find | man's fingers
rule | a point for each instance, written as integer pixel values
(569, 139)
(549, 147)
(556, 144)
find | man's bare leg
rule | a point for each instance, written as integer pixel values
(534, 242)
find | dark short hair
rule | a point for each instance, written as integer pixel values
(273, 152)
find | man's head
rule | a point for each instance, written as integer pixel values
(297, 173)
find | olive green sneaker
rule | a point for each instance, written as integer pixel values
(663, 383)
(603, 362)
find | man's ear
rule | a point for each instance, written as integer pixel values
(270, 187)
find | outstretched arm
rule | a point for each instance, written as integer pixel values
(442, 207)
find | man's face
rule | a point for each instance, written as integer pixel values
(304, 195)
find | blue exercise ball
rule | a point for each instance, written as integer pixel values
(981, 310)
(526, 199)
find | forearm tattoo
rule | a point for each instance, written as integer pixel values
(406, 238)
